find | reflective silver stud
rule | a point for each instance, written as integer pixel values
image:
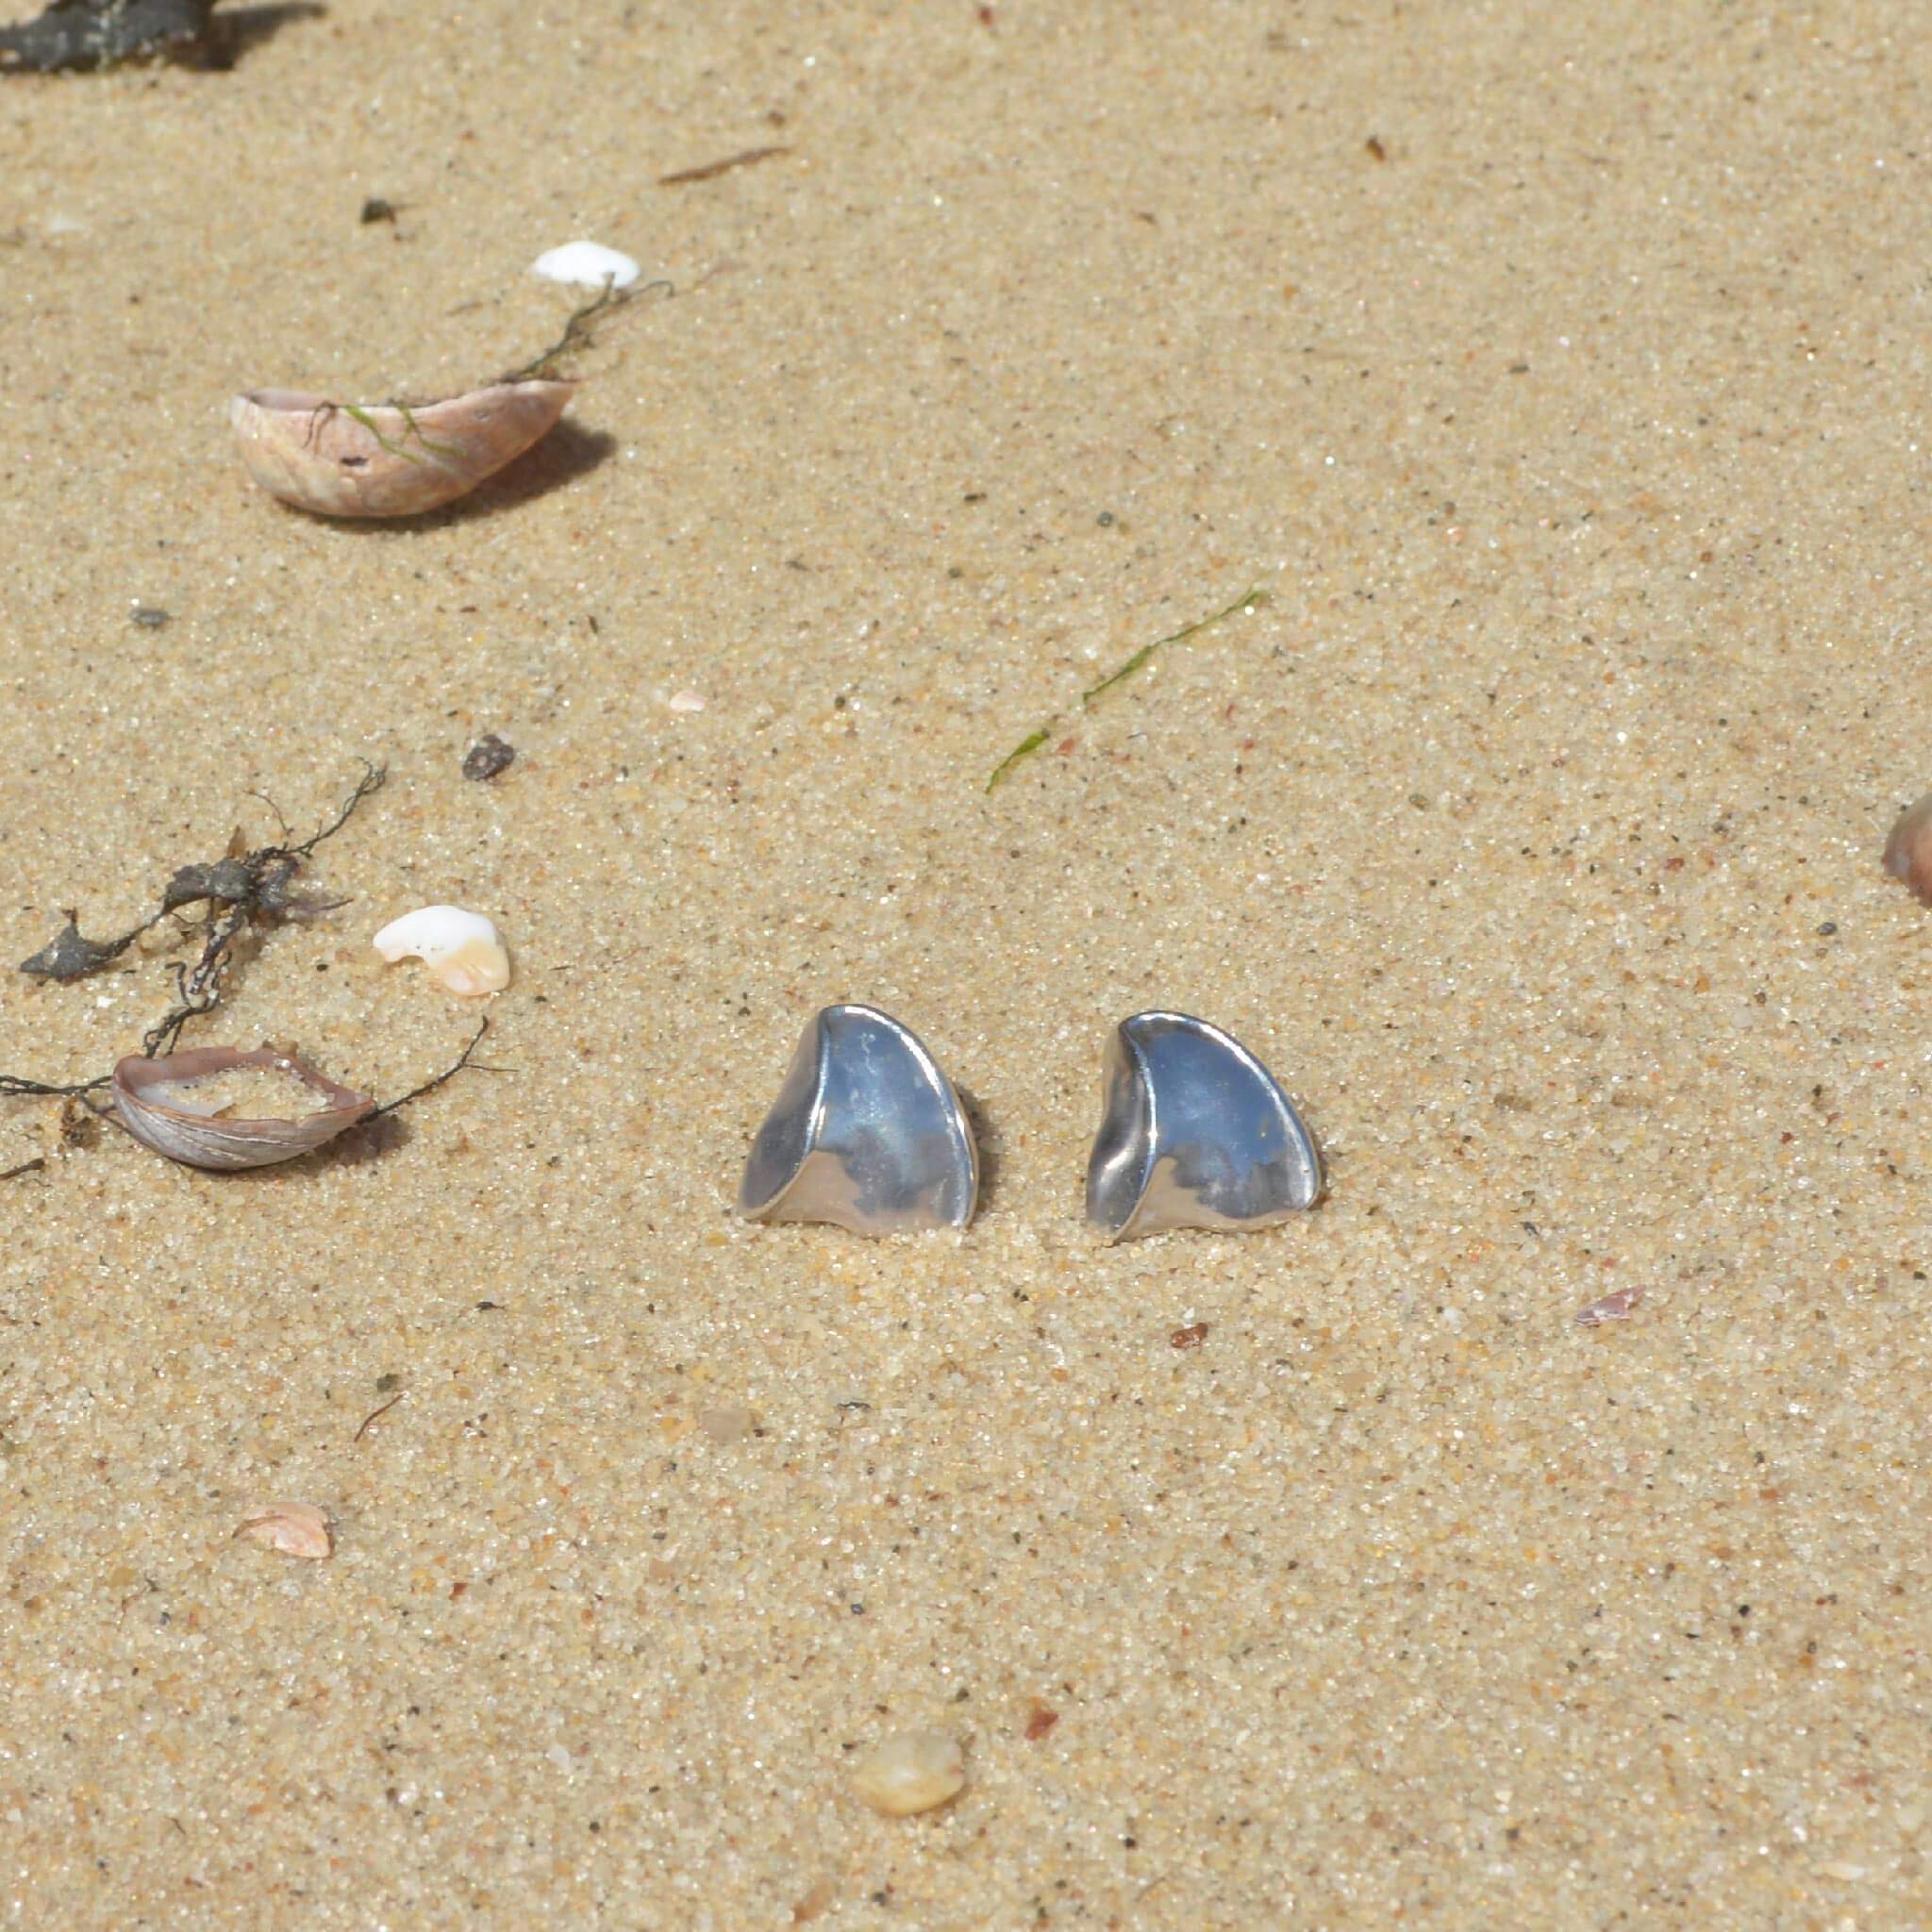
(1196, 1134)
(866, 1133)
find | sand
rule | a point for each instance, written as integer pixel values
(1560, 372)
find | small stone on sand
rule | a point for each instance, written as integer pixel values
(913, 1772)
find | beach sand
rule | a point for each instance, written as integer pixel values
(1560, 375)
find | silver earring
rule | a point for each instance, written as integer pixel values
(866, 1133)
(1196, 1133)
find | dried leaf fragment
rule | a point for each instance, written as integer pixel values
(70, 955)
(230, 880)
(297, 1529)
(101, 33)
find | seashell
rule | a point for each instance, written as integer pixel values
(1908, 851)
(460, 948)
(297, 1529)
(386, 459)
(585, 265)
(913, 1772)
(152, 1099)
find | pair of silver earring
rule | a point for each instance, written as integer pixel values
(868, 1133)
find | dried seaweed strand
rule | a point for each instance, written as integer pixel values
(449, 1073)
(1249, 600)
(255, 885)
(577, 333)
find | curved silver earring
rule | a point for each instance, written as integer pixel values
(1196, 1133)
(866, 1133)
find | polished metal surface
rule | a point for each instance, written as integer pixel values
(866, 1133)
(1195, 1134)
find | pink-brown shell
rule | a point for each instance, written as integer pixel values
(146, 1098)
(1908, 851)
(383, 459)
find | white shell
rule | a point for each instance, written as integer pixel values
(911, 1773)
(460, 948)
(155, 1101)
(386, 459)
(585, 265)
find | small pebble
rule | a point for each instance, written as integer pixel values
(913, 1772)
(489, 756)
(725, 1426)
(685, 701)
(297, 1529)
(585, 265)
(148, 617)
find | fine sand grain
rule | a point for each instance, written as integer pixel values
(1562, 372)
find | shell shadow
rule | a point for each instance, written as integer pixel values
(568, 452)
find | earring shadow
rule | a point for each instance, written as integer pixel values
(990, 1143)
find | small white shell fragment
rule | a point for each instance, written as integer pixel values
(585, 265)
(913, 1772)
(297, 1529)
(1614, 1306)
(460, 948)
(685, 701)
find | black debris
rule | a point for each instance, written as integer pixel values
(90, 34)
(489, 756)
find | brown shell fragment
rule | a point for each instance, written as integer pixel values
(386, 459)
(1908, 851)
(297, 1529)
(150, 1096)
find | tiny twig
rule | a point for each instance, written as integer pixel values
(14, 1087)
(376, 1414)
(448, 1074)
(1034, 740)
(273, 808)
(371, 782)
(710, 171)
(34, 1166)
